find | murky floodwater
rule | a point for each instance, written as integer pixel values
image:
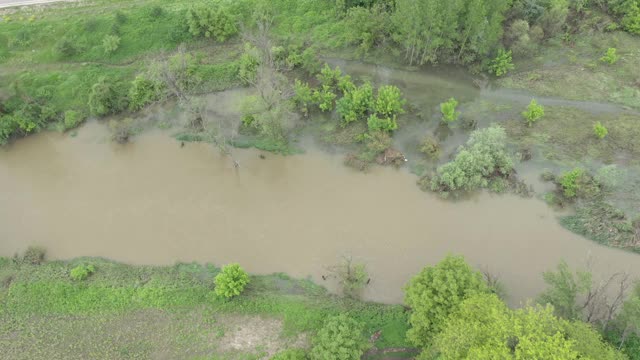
(153, 202)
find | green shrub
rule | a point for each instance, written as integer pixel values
(303, 96)
(533, 112)
(72, 119)
(375, 123)
(231, 281)
(482, 159)
(290, 354)
(65, 47)
(570, 182)
(435, 293)
(110, 43)
(448, 110)
(389, 102)
(104, 99)
(610, 57)
(328, 76)
(340, 338)
(325, 98)
(82, 272)
(249, 62)
(211, 21)
(430, 147)
(599, 130)
(144, 91)
(502, 64)
(121, 130)
(355, 104)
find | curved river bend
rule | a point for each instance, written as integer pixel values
(153, 202)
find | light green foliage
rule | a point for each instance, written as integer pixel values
(599, 130)
(231, 281)
(368, 26)
(211, 21)
(249, 62)
(340, 338)
(610, 57)
(563, 290)
(329, 77)
(303, 97)
(448, 110)
(110, 43)
(483, 327)
(483, 158)
(355, 104)
(144, 91)
(533, 113)
(435, 293)
(104, 99)
(460, 31)
(502, 64)
(325, 98)
(72, 119)
(290, 354)
(570, 182)
(82, 272)
(629, 13)
(345, 84)
(374, 123)
(389, 102)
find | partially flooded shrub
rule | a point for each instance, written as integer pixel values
(448, 110)
(231, 281)
(34, 255)
(352, 277)
(121, 130)
(82, 272)
(502, 64)
(72, 119)
(577, 183)
(599, 130)
(144, 91)
(430, 147)
(610, 57)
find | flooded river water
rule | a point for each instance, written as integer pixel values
(153, 202)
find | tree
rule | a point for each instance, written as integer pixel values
(448, 110)
(533, 112)
(144, 91)
(231, 281)
(564, 289)
(482, 327)
(435, 293)
(211, 21)
(340, 338)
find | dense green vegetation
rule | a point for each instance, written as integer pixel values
(452, 313)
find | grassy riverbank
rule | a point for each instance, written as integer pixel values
(138, 312)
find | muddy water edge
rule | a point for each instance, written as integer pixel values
(154, 202)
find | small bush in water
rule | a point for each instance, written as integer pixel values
(448, 109)
(34, 255)
(600, 131)
(231, 281)
(81, 272)
(533, 113)
(610, 57)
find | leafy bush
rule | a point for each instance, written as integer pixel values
(355, 104)
(110, 43)
(144, 91)
(484, 158)
(82, 272)
(66, 47)
(572, 181)
(329, 77)
(303, 96)
(502, 64)
(72, 119)
(211, 21)
(231, 281)
(290, 354)
(610, 57)
(563, 290)
(435, 293)
(104, 99)
(249, 62)
(448, 110)
(599, 130)
(430, 147)
(339, 338)
(533, 112)
(375, 123)
(325, 98)
(389, 102)
(351, 276)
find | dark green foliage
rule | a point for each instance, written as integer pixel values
(291, 354)
(435, 293)
(231, 281)
(368, 27)
(603, 223)
(34, 255)
(66, 47)
(211, 21)
(82, 272)
(340, 338)
(144, 91)
(105, 99)
(72, 119)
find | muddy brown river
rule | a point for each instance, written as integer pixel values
(153, 202)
